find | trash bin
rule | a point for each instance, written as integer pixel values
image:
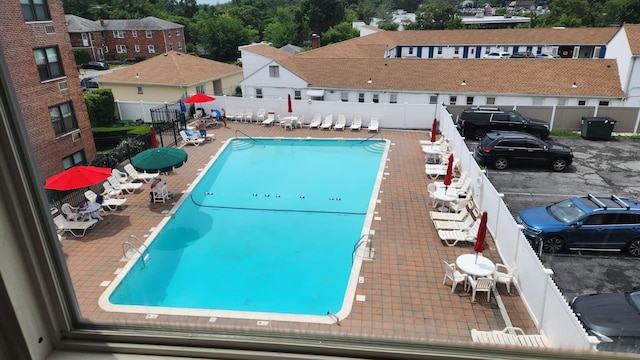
(597, 127)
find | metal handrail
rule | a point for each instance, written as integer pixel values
(128, 244)
(334, 316)
(369, 138)
(243, 133)
(356, 246)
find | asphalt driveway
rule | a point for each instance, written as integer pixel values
(600, 168)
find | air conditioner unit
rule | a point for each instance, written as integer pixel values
(63, 85)
(76, 136)
(49, 29)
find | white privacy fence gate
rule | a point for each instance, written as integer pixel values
(540, 294)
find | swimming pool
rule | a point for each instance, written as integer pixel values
(268, 230)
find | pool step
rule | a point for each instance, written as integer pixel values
(376, 147)
(241, 144)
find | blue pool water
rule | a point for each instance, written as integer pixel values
(270, 227)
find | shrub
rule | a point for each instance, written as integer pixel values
(100, 107)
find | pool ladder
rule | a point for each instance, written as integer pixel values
(359, 243)
(127, 245)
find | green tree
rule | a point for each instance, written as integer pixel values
(323, 14)
(223, 35)
(285, 28)
(438, 15)
(569, 13)
(341, 32)
(630, 12)
(100, 107)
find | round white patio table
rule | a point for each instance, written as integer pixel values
(92, 210)
(433, 153)
(445, 196)
(482, 267)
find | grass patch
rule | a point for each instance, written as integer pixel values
(129, 129)
(565, 133)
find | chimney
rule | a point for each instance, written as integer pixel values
(315, 41)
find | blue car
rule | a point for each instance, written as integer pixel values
(588, 222)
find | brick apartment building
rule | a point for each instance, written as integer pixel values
(125, 39)
(35, 45)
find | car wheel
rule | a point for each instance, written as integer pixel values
(552, 244)
(633, 248)
(559, 164)
(501, 163)
(479, 133)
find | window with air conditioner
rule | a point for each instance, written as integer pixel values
(49, 63)
(62, 118)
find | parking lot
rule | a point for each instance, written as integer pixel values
(600, 168)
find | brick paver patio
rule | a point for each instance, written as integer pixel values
(404, 295)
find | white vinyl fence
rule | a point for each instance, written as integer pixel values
(540, 294)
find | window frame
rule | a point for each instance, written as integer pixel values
(393, 98)
(297, 95)
(274, 71)
(37, 12)
(47, 66)
(121, 49)
(360, 97)
(259, 94)
(344, 96)
(151, 49)
(118, 34)
(67, 122)
(134, 33)
(148, 34)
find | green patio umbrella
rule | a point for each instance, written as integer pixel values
(160, 159)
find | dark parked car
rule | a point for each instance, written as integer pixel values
(477, 121)
(503, 149)
(587, 222)
(89, 83)
(523, 54)
(95, 65)
(612, 317)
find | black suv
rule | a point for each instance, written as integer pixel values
(477, 121)
(501, 149)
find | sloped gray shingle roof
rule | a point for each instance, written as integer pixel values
(77, 24)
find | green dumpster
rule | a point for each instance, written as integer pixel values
(597, 127)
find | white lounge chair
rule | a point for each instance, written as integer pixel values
(248, 116)
(271, 117)
(123, 178)
(109, 204)
(128, 187)
(374, 124)
(464, 224)
(453, 237)
(356, 125)
(76, 228)
(316, 121)
(260, 115)
(509, 336)
(191, 140)
(327, 123)
(341, 123)
(139, 176)
(110, 191)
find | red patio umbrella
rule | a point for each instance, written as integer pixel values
(198, 98)
(77, 177)
(154, 139)
(289, 107)
(434, 130)
(449, 174)
(478, 247)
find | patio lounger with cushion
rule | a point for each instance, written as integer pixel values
(271, 117)
(464, 224)
(109, 204)
(191, 140)
(437, 215)
(110, 191)
(509, 336)
(76, 228)
(141, 176)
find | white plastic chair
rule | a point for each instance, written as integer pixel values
(483, 284)
(450, 272)
(70, 212)
(504, 274)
